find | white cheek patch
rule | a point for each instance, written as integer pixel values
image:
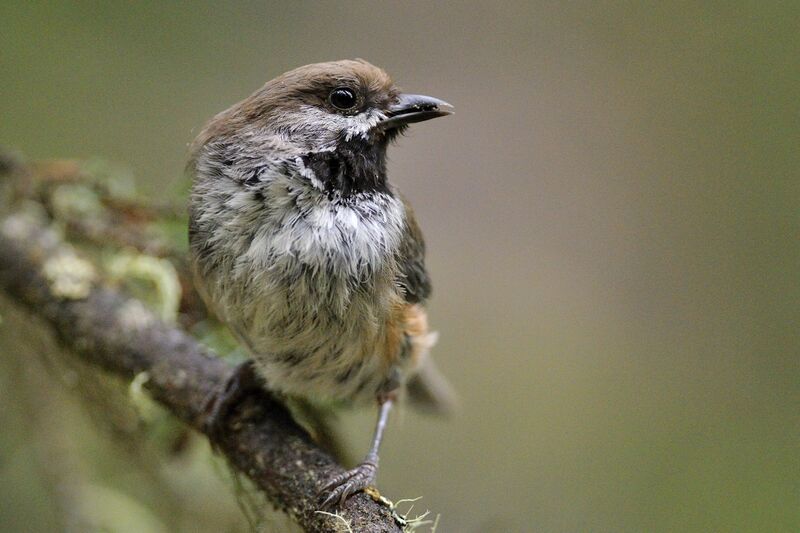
(359, 125)
(329, 125)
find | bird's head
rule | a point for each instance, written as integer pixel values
(345, 109)
(316, 106)
(322, 104)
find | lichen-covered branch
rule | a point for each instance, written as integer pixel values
(119, 334)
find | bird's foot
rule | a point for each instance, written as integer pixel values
(341, 487)
(242, 381)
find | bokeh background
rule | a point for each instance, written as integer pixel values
(612, 224)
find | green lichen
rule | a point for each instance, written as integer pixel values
(152, 280)
(172, 231)
(144, 405)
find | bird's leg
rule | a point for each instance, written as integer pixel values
(338, 489)
(242, 381)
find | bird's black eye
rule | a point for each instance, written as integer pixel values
(343, 99)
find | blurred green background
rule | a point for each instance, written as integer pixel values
(612, 223)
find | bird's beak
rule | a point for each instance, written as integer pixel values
(411, 108)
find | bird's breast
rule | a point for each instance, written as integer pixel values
(306, 280)
(347, 238)
(316, 265)
(319, 303)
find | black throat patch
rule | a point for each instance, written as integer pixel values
(356, 166)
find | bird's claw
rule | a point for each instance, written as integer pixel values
(341, 487)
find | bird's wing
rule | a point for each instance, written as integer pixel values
(414, 278)
(427, 390)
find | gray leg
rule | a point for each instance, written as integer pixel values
(338, 489)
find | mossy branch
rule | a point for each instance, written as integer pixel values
(117, 333)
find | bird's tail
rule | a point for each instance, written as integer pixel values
(430, 392)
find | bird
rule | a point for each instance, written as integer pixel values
(301, 245)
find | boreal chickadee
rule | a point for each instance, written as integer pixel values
(301, 245)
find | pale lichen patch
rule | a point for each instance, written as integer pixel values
(75, 201)
(407, 522)
(69, 277)
(135, 316)
(21, 225)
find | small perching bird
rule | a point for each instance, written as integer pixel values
(301, 245)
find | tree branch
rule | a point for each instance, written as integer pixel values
(117, 333)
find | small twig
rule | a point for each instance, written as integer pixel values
(340, 518)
